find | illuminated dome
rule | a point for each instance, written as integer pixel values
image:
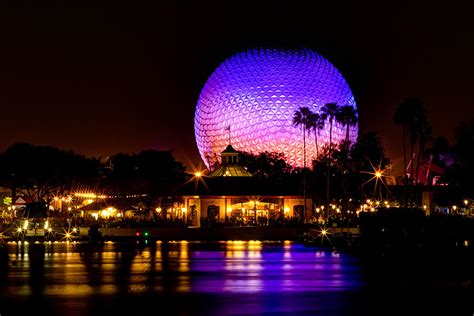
(257, 92)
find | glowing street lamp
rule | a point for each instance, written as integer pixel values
(324, 234)
(377, 174)
(196, 176)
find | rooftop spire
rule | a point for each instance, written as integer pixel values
(228, 129)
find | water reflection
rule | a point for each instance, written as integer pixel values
(234, 266)
(243, 267)
(95, 271)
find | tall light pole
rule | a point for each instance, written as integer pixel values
(255, 210)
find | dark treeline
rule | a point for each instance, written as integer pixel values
(458, 158)
(455, 162)
(347, 166)
(341, 171)
(43, 172)
(344, 170)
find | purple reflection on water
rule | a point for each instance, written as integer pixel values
(186, 277)
(253, 268)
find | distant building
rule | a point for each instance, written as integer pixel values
(230, 166)
(230, 192)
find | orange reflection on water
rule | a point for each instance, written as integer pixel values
(183, 257)
(243, 266)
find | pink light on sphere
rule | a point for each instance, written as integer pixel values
(257, 92)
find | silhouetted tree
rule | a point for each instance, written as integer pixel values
(368, 151)
(461, 172)
(40, 171)
(302, 118)
(267, 165)
(411, 115)
(348, 166)
(329, 112)
(316, 124)
(347, 116)
(441, 152)
(150, 171)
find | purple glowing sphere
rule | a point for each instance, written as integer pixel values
(256, 94)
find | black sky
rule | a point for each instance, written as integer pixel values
(104, 77)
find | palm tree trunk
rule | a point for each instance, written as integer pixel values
(405, 180)
(328, 166)
(327, 184)
(418, 163)
(330, 136)
(316, 142)
(304, 148)
(304, 172)
(412, 171)
(420, 151)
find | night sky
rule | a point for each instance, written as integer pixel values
(106, 77)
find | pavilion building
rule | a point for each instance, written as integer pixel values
(230, 192)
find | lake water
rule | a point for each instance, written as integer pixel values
(185, 278)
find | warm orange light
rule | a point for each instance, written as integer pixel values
(198, 174)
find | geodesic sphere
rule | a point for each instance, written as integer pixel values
(256, 94)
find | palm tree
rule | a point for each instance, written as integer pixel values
(316, 124)
(347, 116)
(401, 117)
(302, 118)
(329, 112)
(411, 115)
